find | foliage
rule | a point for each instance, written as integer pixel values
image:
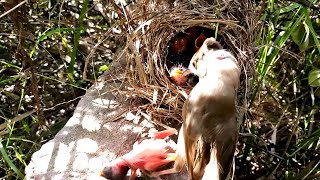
(57, 38)
(284, 109)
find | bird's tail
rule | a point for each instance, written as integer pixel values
(213, 168)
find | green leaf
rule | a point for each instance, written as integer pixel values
(301, 36)
(76, 40)
(310, 25)
(103, 68)
(317, 92)
(289, 8)
(314, 78)
(70, 77)
(50, 33)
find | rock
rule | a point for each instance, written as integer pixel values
(96, 134)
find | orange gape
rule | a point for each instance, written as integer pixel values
(147, 155)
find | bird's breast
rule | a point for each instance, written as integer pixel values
(209, 107)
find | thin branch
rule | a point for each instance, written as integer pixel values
(12, 9)
(257, 147)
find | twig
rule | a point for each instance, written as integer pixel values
(315, 176)
(59, 104)
(312, 112)
(257, 147)
(22, 55)
(4, 125)
(12, 9)
(294, 129)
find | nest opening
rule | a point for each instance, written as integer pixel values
(183, 45)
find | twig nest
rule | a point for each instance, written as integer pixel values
(156, 33)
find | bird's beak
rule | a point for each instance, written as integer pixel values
(171, 156)
(176, 72)
(102, 175)
(186, 72)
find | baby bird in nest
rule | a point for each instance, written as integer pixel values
(176, 75)
(207, 139)
(147, 155)
(181, 76)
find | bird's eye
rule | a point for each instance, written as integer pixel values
(194, 64)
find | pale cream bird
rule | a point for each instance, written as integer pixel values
(208, 136)
(209, 113)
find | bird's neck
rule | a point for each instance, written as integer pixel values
(120, 167)
(223, 80)
(121, 162)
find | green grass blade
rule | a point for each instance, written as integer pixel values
(9, 161)
(289, 8)
(270, 52)
(76, 40)
(50, 33)
(309, 23)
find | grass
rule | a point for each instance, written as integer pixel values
(287, 67)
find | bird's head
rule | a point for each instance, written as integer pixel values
(209, 45)
(178, 76)
(211, 58)
(115, 172)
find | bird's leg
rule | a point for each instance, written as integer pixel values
(179, 162)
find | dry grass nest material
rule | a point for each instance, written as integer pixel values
(150, 25)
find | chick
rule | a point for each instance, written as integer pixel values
(147, 155)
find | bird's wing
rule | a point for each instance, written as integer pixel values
(226, 150)
(202, 158)
(197, 151)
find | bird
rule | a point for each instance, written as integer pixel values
(208, 136)
(147, 155)
(209, 113)
(179, 44)
(176, 75)
(199, 41)
(183, 41)
(181, 76)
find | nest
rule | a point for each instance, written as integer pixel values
(149, 27)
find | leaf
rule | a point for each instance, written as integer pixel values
(301, 36)
(317, 92)
(48, 33)
(103, 68)
(76, 40)
(310, 25)
(289, 8)
(298, 34)
(314, 78)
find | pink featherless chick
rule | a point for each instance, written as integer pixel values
(147, 155)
